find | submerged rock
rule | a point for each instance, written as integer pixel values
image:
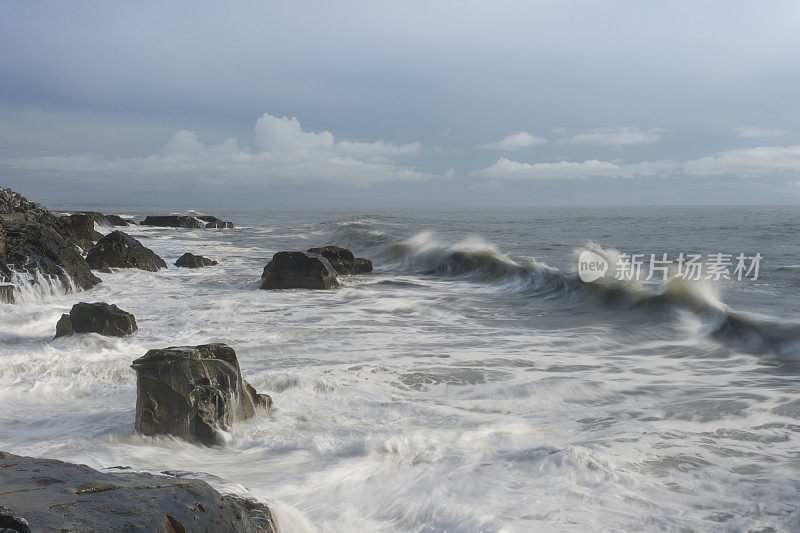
(102, 318)
(50, 495)
(120, 250)
(193, 392)
(32, 239)
(173, 221)
(298, 270)
(188, 260)
(343, 261)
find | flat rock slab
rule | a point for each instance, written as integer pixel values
(52, 496)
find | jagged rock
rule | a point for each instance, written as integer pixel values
(173, 221)
(64, 326)
(80, 228)
(298, 270)
(342, 260)
(102, 318)
(33, 239)
(188, 260)
(6, 294)
(193, 392)
(51, 495)
(214, 222)
(120, 250)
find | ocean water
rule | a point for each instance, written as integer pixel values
(470, 383)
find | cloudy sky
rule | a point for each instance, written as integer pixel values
(405, 102)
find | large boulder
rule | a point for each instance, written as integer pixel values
(50, 495)
(298, 270)
(32, 239)
(102, 318)
(80, 228)
(343, 261)
(193, 392)
(173, 221)
(188, 260)
(120, 250)
(214, 222)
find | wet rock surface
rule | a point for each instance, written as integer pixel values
(188, 260)
(32, 239)
(80, 228)
(298, 270)
(193, 392)
(6, 294)
(51, 495)
(105, 319)
(173, 221)
(120, 250)
(214, 222)
(343, 261)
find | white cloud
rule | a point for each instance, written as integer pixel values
(747, 162)
(506, 169)
(515, 141)
(284, 153)
(616, 137)
(754, 132)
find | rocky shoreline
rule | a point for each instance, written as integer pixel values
(191, 392)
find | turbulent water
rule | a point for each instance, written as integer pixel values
(471, 382)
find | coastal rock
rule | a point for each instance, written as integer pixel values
(214, 222)
(64, 326)
(173, 221)
(188, 260)
(343, 261)
(80, 228)
(6, 294)
(50, 495)
(193, 392)
(102, 318)
(298, 270)
(32, 239)
(120, 250)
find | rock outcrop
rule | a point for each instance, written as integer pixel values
(186, 221)
(193, 392)
(343, 261)
(7, 294)
(298, 270)
(32, 239)
(188, 260)
(104, 220)
(173, 221)
(80, 229)
(102, 318)
(120, 250)
(50, 495)
(214, 222)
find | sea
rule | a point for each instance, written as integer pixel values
(472, 382)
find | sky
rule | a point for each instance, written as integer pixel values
(401, 103)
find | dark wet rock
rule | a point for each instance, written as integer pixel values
(120, 250)
(298, 270)
(7, 294)
(32, 239)
(105, 319)
(342, 260)
(64, 326)
(104, 220)
(214, 222)
(188, 260)
(51, 495)
(193, 392)
(173, 221)
(80, 229)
